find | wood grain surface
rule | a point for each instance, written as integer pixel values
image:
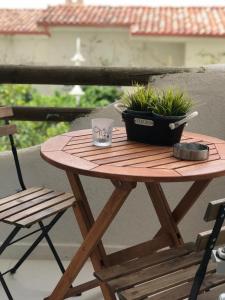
(32, 205)
(164, 275)
(131, 160)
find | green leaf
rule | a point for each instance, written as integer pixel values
(32, 133)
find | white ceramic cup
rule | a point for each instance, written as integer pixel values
(102, 131)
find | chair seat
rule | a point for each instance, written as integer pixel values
(32, 205)
(161, 276)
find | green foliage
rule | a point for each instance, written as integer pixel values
(172, 103)
(98, 96)
(168, 102)
(32, 133)
(141, 99)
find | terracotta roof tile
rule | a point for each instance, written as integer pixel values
(20, 21)
(183, 21)
(172, 21)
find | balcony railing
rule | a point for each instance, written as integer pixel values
(60, 75)
(49, 114)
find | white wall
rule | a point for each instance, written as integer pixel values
(100, 47)
(23, 49)
(205, 51)
(136, 221)
(110, 47)
(114, 47)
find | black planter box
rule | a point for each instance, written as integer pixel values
(151, 128)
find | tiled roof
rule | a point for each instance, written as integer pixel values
(20, 21)
(170, 21)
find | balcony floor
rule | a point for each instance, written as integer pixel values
(36, 278)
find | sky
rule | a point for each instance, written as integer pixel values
(45, 3)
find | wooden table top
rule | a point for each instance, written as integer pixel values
(132, 161)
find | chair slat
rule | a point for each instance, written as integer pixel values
(213, 294)
(19, 195)
(143, 262)
(203, 237)
(183, 291)
(37, 208)
(5, 112)
(213, 209)
(26, 222)
(24, 199)
(7, 130)
(28, 204)
(155, 271)
(163, 283)
(171, 278)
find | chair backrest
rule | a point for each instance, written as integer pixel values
(207, 241)
(6, 129)
(9, 130)
(211, 214)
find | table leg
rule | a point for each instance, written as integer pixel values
(92, 239)
(85, 221)
(162, 239)
(164, 213)
(188, 201)
(84, 214)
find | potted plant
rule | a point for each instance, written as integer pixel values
(155, 116)
(140, 101)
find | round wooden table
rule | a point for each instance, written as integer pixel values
(125, 163)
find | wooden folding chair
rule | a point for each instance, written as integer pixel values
(180, 273)
(29, 206)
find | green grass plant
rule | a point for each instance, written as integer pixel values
(167, 102)
(172, 102)
(141, 99)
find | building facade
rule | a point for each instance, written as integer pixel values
(113, 36)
